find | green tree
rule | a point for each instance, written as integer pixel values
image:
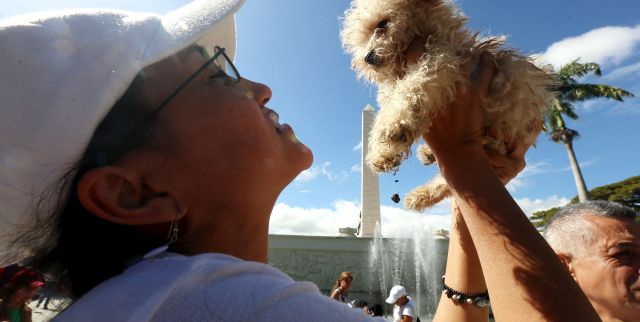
(626, 192)
(570, 91)
(540, 219)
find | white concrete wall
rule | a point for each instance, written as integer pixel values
(321, 260)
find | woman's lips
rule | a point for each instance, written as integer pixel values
(275, 119)
(281, 128)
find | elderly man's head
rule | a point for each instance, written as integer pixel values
(599, 242)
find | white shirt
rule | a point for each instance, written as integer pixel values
(341, 296)
(408, 309)
(206, 287)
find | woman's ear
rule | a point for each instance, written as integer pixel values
(120, 195)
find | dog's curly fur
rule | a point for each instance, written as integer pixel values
(378, 32)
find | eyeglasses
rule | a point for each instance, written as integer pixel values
(213, 68)
(216, 66)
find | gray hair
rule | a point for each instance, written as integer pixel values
(569, 233)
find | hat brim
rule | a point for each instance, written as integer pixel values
(205, 23)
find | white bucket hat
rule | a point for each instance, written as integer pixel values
(60, 74)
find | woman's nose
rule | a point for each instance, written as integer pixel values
(261, 92)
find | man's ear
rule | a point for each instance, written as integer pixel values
(566, 261)
(120, 195)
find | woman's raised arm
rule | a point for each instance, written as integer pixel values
(524, 278)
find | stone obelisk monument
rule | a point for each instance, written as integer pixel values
(370, 190)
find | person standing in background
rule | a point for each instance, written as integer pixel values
(16, 294)
(341, 288)
(404, 310)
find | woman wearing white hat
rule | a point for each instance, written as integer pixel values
(138, 166)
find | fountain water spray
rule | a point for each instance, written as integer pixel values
(413, 259)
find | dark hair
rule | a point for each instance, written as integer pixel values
(73, 245)
(359, 304)
(376, 310)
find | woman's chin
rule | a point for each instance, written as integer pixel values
(298, 167)
(304, 157)
(309, 159)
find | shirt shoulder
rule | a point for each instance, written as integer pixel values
(409, 309)
(150, 285)
(207, 287)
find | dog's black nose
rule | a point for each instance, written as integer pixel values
(372, 58)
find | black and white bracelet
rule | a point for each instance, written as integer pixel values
(479, 300)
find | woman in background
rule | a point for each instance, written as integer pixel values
(341, 288)
(16, 295)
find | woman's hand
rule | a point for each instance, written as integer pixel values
(462, 121)
(508, 166)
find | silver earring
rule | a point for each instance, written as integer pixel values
(173, 232)
(172, 237)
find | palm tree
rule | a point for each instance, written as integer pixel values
(570, 91)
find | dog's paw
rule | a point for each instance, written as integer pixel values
(399, 135)
(427, 195)
(385, 163)
(425, 155)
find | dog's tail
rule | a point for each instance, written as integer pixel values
(427, 195)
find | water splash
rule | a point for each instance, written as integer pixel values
(414, 260)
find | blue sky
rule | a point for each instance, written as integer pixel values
(293, 46)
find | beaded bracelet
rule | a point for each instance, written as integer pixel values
(479, 300)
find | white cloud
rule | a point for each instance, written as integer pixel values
(606, 45)
(331, 175)
(529, 206)
(534, 169)
(307, 175)
(633, 69)
(521, 181)
(396, 221)
(358, 147)
(622, 109)
(542, 167)
(583, 164)
(314, 172)
(517, 183)
(290, 220)
(356, 168)
(590, 104)
(606, 104)
(399, 222)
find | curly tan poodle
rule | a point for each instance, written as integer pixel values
(377, 34)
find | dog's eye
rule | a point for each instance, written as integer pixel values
(383, 24)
